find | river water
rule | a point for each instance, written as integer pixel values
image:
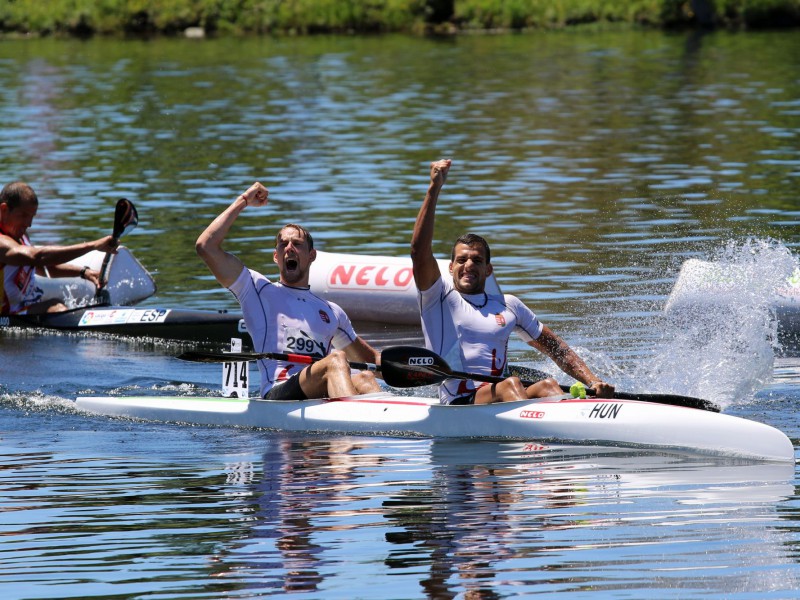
(595, 163)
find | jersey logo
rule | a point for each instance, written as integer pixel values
(497, 370)
(501, 320)
(324, 316)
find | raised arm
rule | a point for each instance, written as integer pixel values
(426, 269)
(568, 361)
(225, 266)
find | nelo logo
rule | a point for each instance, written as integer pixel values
(531, 414)
(420, 361)
(370, 277)
(324, 316)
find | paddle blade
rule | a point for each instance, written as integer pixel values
(126, 218)
(673, 399)
(408, 366)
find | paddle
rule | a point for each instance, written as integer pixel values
(125, 219)
(674, 399)
(424, 367)
(205, 356)
(409, 366)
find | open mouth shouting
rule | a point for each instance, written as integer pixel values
(293, 272)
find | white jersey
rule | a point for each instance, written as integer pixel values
(18, 287)
(471, 332)
(285, 319)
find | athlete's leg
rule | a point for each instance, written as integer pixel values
(365, 382)
(544, 388)
(507, 390)
(328, 378)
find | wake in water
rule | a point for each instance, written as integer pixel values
(719, 335)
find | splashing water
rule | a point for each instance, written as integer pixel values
(720, 331)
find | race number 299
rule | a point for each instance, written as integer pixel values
(236, 375)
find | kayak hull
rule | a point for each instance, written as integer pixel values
(201, 326)
(561, 420)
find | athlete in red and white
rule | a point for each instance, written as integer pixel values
(285, 316)
(21, 262)
(470, 327)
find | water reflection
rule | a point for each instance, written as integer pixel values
(69, 522)
(308, 492)
(468, 519)
(499, 513)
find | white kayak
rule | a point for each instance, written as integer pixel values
(622, 423)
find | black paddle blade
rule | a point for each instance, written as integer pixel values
(126, 218)
(408, 366)
(673, 399)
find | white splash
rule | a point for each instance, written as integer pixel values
(720, 330)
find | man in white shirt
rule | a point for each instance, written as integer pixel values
(470, 328)
(285, 316)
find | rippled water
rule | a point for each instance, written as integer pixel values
(594, 163)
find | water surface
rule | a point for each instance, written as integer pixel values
(594, 163)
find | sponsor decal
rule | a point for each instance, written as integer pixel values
(420, 361)
(501, 320)
(605, 410)
(324, 316)
(152, 315)
(370, 277)
(100, 317)
(533, 447)
(531, 414)
(415, 376)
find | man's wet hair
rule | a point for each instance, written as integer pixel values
(299, 228)
(16, 193)
(472, 239)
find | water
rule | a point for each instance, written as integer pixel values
(596, 164)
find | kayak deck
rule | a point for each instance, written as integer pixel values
(563, 420)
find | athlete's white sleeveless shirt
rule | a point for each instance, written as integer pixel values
(471, 332)
(281, 318)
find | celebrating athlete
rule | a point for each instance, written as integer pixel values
(285, 316)
(470, 327)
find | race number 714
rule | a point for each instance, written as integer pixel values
(236, 375)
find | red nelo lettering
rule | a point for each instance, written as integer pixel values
(379, 278)
(342, 274)
(403, 277)
(363, 276)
